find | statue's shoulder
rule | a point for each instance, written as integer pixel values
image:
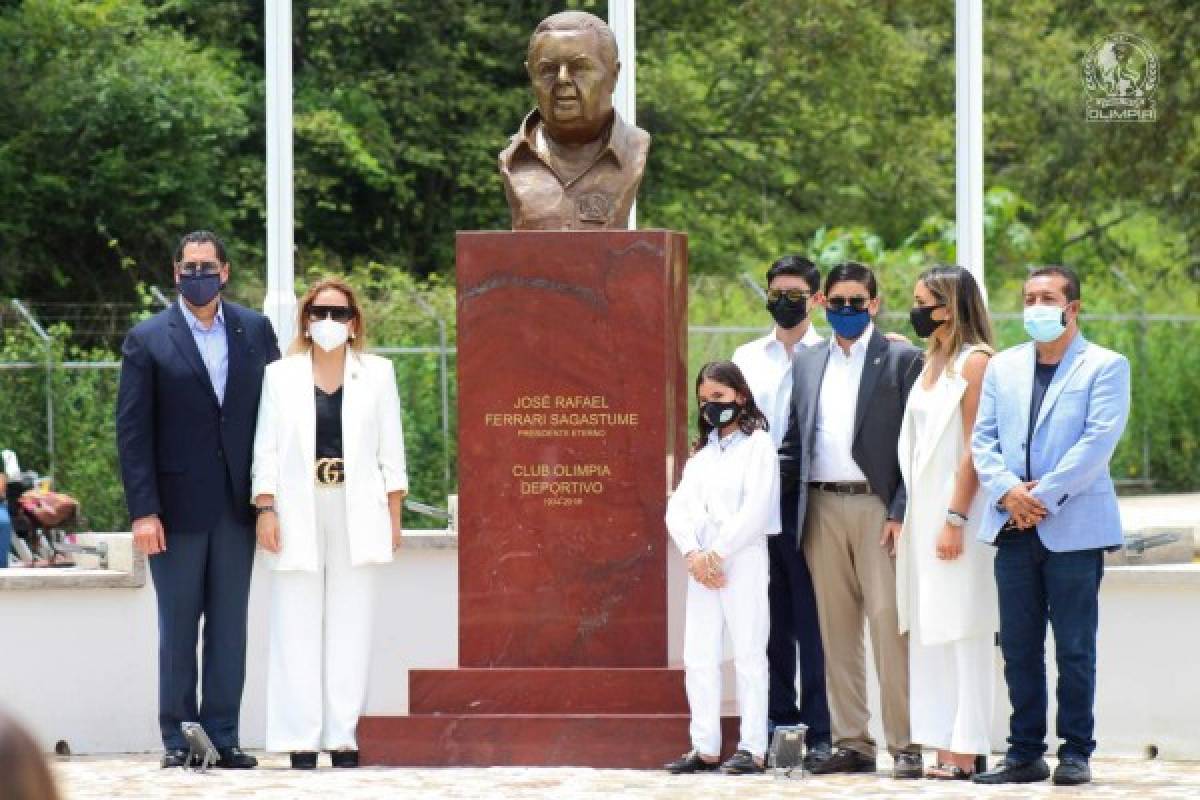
(631, 143)
(641, 141)
(640, 136)
(506, 155)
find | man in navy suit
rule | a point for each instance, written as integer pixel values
(186, 409)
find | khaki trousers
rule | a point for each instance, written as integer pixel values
(854, 576)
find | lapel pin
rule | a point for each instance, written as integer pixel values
(877, 360)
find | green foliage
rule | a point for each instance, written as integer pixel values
(114, 136)
(774, 122)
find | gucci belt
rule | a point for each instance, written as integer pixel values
(330, 471)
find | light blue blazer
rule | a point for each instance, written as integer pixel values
(1082, 418)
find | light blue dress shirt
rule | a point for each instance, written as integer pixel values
(213, 346)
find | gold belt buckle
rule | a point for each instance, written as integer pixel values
(330, 471)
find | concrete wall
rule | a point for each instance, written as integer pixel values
(79, 665)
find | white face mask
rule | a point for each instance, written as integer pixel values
(1045, 323)
(329, 335)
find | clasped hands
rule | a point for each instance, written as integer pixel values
(706, 567)
(1025, 510)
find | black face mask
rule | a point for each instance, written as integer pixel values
(720, 414)
(923, 322)
(786, 313)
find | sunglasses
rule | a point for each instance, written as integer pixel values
(857, 303)
(336, 313)
(794, 295)
(193, 268)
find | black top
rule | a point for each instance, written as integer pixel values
(1042, 375)
(329, 423)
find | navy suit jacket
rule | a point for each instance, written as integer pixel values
(178, 447)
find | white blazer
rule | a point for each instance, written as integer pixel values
(955, 599)
(372, 447)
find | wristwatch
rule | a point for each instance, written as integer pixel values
(956, 519)
(262, 509)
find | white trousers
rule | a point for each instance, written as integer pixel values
(742, 606)
(320, 641)
(952, 698)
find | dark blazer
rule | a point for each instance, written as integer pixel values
(889, 372)
(178, 447)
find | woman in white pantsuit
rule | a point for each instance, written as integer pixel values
(720, 516)
(329, 481)
(946, 595)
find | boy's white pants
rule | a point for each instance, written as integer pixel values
(320, 641)
(742, 606)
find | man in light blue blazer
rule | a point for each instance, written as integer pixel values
(1050, 416)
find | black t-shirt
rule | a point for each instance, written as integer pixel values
(329, 423)
(1043, 374)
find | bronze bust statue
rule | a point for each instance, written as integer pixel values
(574, 164)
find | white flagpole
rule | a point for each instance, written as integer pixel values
(280, 302)
(621, 20)
(968, 75)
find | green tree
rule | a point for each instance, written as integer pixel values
(114, 137)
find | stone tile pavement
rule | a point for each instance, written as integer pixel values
(138, 776)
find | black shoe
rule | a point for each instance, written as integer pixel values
(346, 759)
(1072, 772)
(304, 759)
(688, 763)
(908, 766)
(235, 758)
(817, 754)
(175, 758)
(844, 760)
(1011, 772)
(741, 763)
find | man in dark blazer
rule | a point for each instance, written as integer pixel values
(839, 456)
(186, 410)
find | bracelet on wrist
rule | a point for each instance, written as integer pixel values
(260, 510)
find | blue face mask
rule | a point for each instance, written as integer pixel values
(1045, 323)
(199, 290)
(848, 323)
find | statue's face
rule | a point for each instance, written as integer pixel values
(574, 82)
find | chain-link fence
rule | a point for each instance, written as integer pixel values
(59, 397)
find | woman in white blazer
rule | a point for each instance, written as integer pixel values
(946, 596)
(329, 481)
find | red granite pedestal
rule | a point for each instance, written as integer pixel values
(572, 429)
